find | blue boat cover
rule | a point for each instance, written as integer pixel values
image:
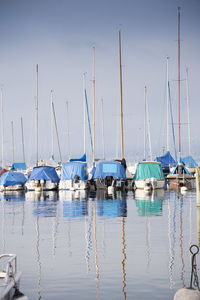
(71, 169)
(12, 178)
(166, 160)
(110, 168)
(18, 166)
(183, 168)
(44, 173)
(83, 158)
(146, 170)
(189, 162)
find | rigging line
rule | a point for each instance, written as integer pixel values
(88, 116)
(172, 122)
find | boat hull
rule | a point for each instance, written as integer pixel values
(41, 185)
(177, 181)
(142, 184)
(72, 185)
(17, 187)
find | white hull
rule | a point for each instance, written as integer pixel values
(154, 184)
(71, 185)
(40, 185)
(16, 187)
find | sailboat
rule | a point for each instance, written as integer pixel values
(180, 177)
(149, 175)
(111, 175)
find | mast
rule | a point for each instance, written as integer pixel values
(121, 106)
(103, 145)
(149, 132)
(22, 132)
(36, 112)
(188, 111)
(167, 104)
(52, 140)
(68, 137)
(54, 115)
(179, 90)
(145, 116)
(13, 152)
(84, 113)
(93, 84)
(2, 132)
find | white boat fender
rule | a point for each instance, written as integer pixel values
(187, 294)
(184, 189)
(190, 293)
(111, 189)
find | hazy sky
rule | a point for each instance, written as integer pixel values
(59, 35)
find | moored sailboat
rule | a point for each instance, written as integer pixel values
(149, 176)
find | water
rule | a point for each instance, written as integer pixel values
(78, 246)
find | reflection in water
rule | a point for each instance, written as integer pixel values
(148, 241)
(88, 235)
(96, 251)
(112, 207)
(124, 258)
(74, 204)
(172, 239)
(44, 203)
(149, 204)
(181, 239)
(38, 256)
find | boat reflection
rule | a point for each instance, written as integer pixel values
(115, 206)
(149, 204)
(10, 196)
(75, 203)
(44, 203)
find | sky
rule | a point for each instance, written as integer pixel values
(59, 36)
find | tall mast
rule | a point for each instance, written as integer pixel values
(2, 131)
(121, 106)
(22, 132)
(84, 113)
(167, 89)
(93, 84)
(149, 131)
(54, 115)
(188, 111)
(52, 140)
(13, 152)
(68, 137)
(145, 116)
(179, 90)
(103, 145)
(36, 112)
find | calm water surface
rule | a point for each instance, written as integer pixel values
(71, 245)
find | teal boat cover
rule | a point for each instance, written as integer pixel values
(18, 166)
(110, 168)
(44, 173)
(146, 170)
(74, 168)
(12, 178)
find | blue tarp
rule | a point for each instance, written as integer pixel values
(183, 168)
(71, 169)
(18, 166)
(12, 178)
(110, 168)
(189, 162)
(44, 173)
(83, 158)
(166, 160)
